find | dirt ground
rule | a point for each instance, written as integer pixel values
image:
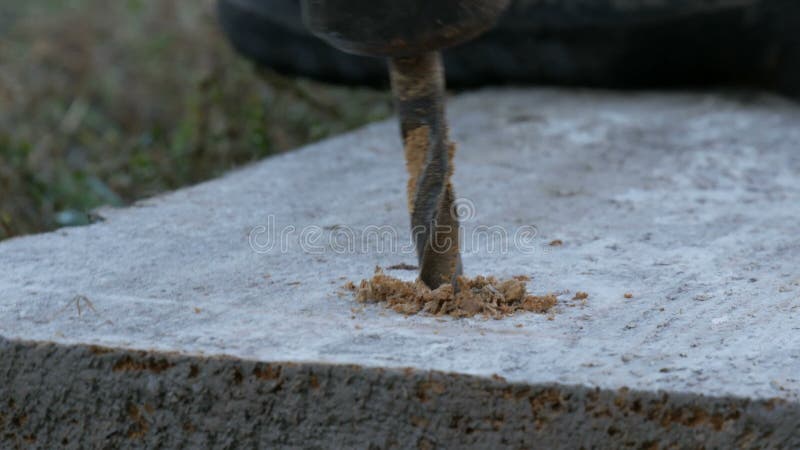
(109, 102)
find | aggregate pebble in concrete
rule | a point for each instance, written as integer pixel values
(689, 202)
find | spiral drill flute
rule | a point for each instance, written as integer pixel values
(418, 89)
(410, 34)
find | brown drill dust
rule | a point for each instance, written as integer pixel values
(486, 296)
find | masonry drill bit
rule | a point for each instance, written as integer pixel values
(410, 34)
(418, 88)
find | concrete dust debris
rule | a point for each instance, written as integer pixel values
(481, 295)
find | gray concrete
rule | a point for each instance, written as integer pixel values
(689, 202)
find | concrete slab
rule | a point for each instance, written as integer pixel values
(176, 321)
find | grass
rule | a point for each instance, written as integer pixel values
(104, 103)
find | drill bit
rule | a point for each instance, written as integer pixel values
(418, 89)
(410, 33)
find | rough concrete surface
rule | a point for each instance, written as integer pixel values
(173, 323)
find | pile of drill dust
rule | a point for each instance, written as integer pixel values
(481, 295)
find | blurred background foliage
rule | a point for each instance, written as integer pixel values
(105, 102)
